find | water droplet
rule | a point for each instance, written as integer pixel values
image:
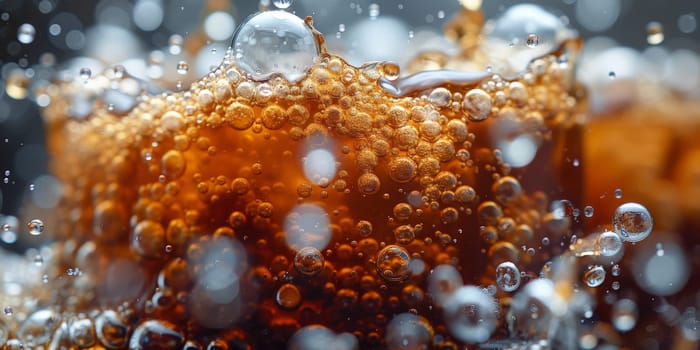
(632, 221)
(655, 33)
(183, 67)
(617, 193)
(507, 276)
(275, 42)
(392, 263)
(308, 261)
(470, 314)
(282, 4)
(532, 40)
(8, 311)
(26, 33)
(85, 73)
(36, 227)
(595, 276)
(608, 243)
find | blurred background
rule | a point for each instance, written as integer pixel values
(44, 39)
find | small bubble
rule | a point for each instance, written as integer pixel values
(608, 243)
(507, 276)
(282, 4)
(411, 34)
(85, 73)
(36, 227)
(8, 311)
(615, 270)
(341, 28)
(618, 193)
(182, 67)
(633, 222)
(655, 33)
(595, 276)
(687, 23)
(45, 278)
(441, 14)
(119, 71)
(588, 211)
(26, 33)
(31, 187)
(532, 40)
(38, 260)
(624, 315)
(308, 261)
(659, 249)
(612, 75)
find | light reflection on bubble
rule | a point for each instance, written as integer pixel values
(219, 26)
(148, 14)
(307, 225)
(519, 151)
(661, 274)
(316, 337)
(319, 166)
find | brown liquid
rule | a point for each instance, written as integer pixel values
(165, 204)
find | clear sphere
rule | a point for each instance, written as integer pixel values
(633, 222)
(275, 42)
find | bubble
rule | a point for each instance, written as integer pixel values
(408, 331)
(632, 221)
(608, 243)
(275, 42)
(612, 75)
(319, 166)
(392, 263)
(156, 334)
(112, 331)
(506, 189)
(532, 40)
(85, 73)
(655, 33)
(477, 104)
(690, 324)
(26, 33)
(307, 225)
(402, 169)
(288, 296)
(664, 274)
(316, 337)
(182, 67)
(368, 183)
(8, 311)
(624, 315)
(39, 326)
(404, 234)
(507, 276)
(595, 276)
(598, 15)
(687, 23)
(440, 97)
(470, 314)
(148, 239)
(36, 227)
(282, 4)
(219, 25)
(308, 261)
(443, 281)
(617, 193)
(38, 260)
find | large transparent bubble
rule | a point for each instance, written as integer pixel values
(275, 42)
